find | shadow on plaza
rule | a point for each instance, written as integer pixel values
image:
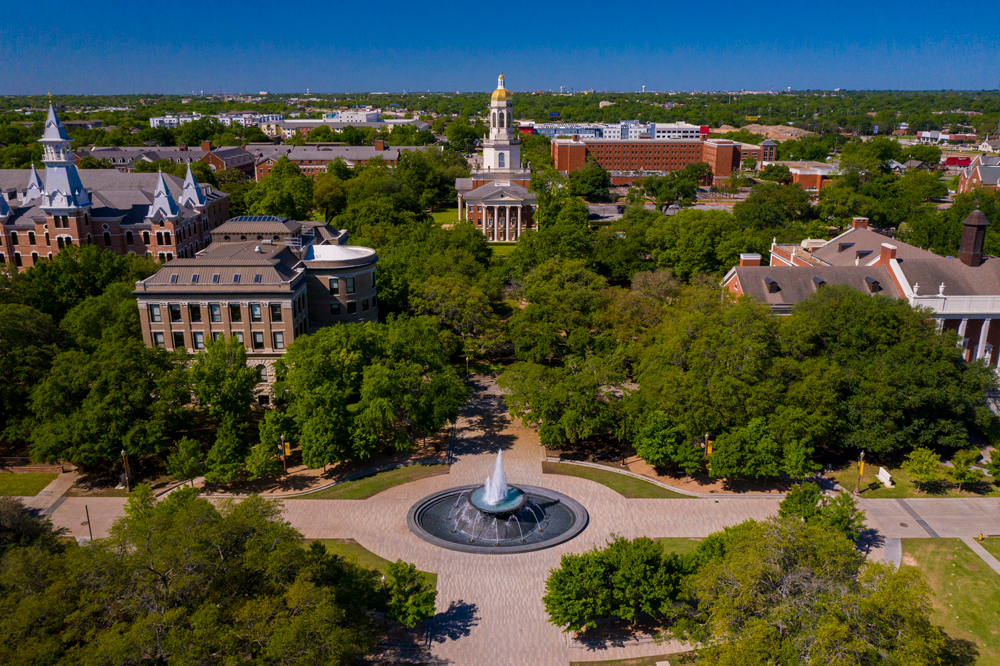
(487, 420)
(454, 623)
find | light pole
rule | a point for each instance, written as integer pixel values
(466, 366)
(385, 600)
(284, 458)
(128, 488)
(622, 439)
(861, 470)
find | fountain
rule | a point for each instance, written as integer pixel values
(497, 518)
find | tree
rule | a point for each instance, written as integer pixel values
(660, 442)
(186, 461)
(462, 308)
(227, 456)
(21, 528)
(802, 502)
(285, 191)
(963, 470)
(993, 466)
(462, 136)
(222, 381)
(411, 598)
(28, 343)
(923, 465)
(261, 461)
(778, 173)
(746, 452)
(578, 593)
(784, 591)
(591, 182)
(329, 195)
(807, 503)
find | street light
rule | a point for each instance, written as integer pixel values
(128, 488)
(861, 470)
(385, 599)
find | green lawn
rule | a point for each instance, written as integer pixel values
(370, 486)
(679, 545)
(992, 546)
(966, 592)
(447, 216)
(503, 249)
(24, 485)
(620, 483)
(904, 487)
(676, 659)
(352, 550)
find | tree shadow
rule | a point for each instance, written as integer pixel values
(868, 539)
(454, 623)
(959, 652)
(487, 416)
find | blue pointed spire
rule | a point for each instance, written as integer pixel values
(35, 188)
(53, 128)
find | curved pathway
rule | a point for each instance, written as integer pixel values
(489, 606)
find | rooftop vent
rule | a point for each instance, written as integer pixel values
(818, 282)
(772, 286)
(257, 248)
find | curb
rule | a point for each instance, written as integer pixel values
(352, 477)
(668, 487)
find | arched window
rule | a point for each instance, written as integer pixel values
(160, 256)
(500, 160)
(31, 238)
(60, 241)
(494, 119)
(89, 240)
(13, 239)
(145, 237)
(107, 239)
(48, 241)
(34, 258)
(17, 258)
(261, 373)
(129, 240)
(501, 119)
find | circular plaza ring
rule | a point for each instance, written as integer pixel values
(544, 519)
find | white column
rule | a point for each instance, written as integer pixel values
(961, 335)
(981, 348)
(506, 222)
(460, 207)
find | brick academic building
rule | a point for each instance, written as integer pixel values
(629, 159)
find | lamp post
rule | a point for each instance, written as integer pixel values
(622, 439)
(284, 458)
(128, 487)
(466, 366)
(861, 470)
(385, 600)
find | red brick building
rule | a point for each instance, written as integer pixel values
(629, 159)
(139, 213)
(312, 161)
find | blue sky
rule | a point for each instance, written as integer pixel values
(111, 46)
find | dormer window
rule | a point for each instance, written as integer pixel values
(194, 279)
(861, 254)
(256, 278)
(873, 286)
(236, 278)
(844, 246)
(215, 277)
(818, 282)
(772, 286)
(173, 278)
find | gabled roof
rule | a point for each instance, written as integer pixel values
(782, 287)
(844, 249)
(499, 190)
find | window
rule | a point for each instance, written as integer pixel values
(173, 278)
(60, 242)
(216, 335)
(194, 279)
(199, 340)
(258, 340)
(364, 305)
(279, 340)
(13, 239)
(261, 373)
(234, 312)
(107, 239)
(175, 313)
(158, 339)
(154, 313)
(31, 238)
(335, 286)
(215, 312)
(239, 336)
(352, 307)
(350, 285)
(129, 240)
(236, 278)
(275, 311)
(195, 312)
(255, 314)
(179, 340)
(145, 237)
(373, 279)
(166, 237)
(215, 277)
(500, 160)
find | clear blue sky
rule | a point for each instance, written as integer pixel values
(112, 46)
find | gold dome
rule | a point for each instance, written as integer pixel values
(501, 95)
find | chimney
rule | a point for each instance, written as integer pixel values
(970, 249)
(206, 146)
(886, 253)
(749, 259)
(379, 145)
(182, 146)
(859, 223)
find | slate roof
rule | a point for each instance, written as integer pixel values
(274, 264)
(257, 224)
(796, 283)
(958, 279)
(843, 250)
(990, 175)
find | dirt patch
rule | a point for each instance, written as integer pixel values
(774, 132)
(909, 560)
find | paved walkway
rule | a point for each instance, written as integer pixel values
(489, 606)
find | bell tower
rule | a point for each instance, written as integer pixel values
(501, 148)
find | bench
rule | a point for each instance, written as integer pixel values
(884, 477)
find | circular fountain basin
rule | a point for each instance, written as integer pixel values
(512, 503)
(451, 519)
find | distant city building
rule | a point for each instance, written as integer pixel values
(128, 213)
(496, 198)
(355, 116)
(982, 173)
(265, 281)
(286, 129)
(962, 294)
(810, 175)
(678, 131)
(124, 158)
